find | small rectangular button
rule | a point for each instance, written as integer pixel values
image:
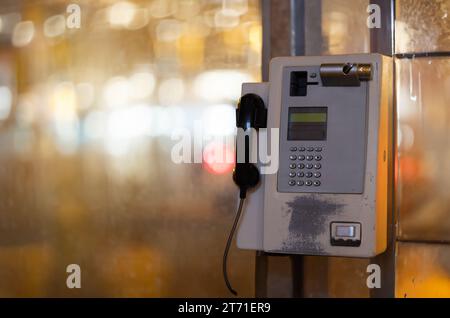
(345, 231)
(345, 234)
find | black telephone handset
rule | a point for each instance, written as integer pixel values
(250, 113)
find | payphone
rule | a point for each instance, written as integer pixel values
(329, 195)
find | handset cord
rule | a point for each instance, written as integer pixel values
(227, 247)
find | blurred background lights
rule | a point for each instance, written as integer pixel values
(197, 26)
(67, 135)
(255, 37)
(121, 14)
(85, 95)
(54, 26)
(26, 112)
(129, 122)
(187, 9)
(64, 102)
(168, 30)
(235, 7)
(140, 19)
(87, 117)
(171, 91)
(8, 22)
(94, 125)
(162, 8)
(116, 92)
(219, 120)
(126, 125)
(220, 85)
(223, 19)
(142, 85)
(23, 33)
(166, 119)
(5, 102)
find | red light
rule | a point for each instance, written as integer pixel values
(218, 158)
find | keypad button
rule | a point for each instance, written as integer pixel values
(293, 157)
(308, 183)
(301, 166)
(292, 166)
(309, 158)
(316, 183)
(318, 149)
(310, 149)
(317, 166)
(302, 149)
(301, 157)
(300, 183)
(293, 148)
(317, 174)
(309, 166)
(309, 174)
(300, 174)
(292, 182)
(292, 174)
(318, 157)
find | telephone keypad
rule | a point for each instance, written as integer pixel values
(305, 177)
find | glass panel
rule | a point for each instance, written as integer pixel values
(340, 19)
(418, 278)
(424, 148)
(422, 26)
(87, 113)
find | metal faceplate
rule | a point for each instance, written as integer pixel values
(337, 163)
(352, 195)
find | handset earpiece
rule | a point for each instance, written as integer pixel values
(251, 112)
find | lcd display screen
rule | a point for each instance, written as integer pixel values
(307, 123)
